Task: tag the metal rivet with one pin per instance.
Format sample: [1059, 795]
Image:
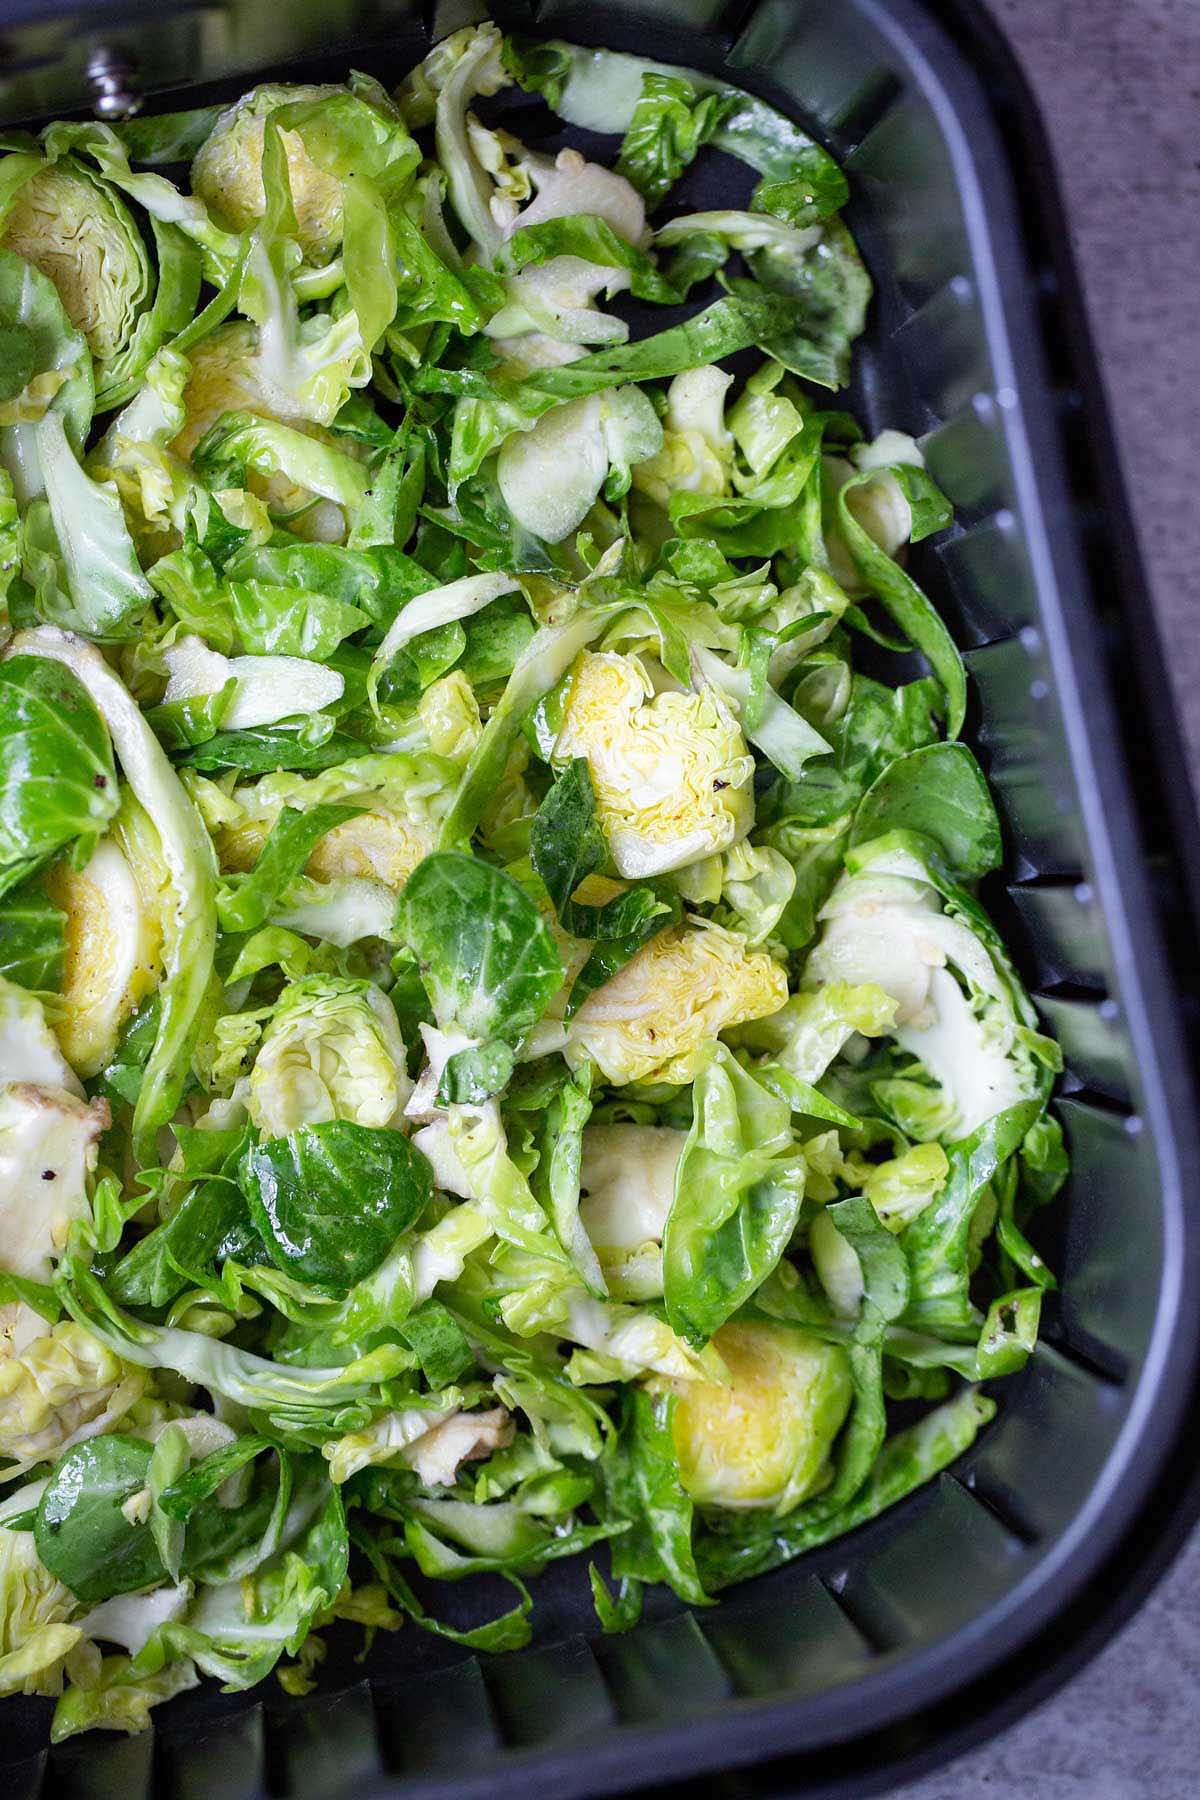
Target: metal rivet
[1133, 1125]
[1083, 893]
[112, 77]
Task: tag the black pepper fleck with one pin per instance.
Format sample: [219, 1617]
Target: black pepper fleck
[99, 781]
[48, 1175]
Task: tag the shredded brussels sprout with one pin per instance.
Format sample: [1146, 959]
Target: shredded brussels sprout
[500, 1055]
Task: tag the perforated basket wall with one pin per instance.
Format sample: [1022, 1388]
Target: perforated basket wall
[1011, 1558]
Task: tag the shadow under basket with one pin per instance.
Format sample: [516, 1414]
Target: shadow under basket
[953, 1613]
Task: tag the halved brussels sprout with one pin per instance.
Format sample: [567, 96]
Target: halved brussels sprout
[697, 449]
[650, 1022]
[70, 223]
[48, 1140]
[672, 775]
[332, 1050]
[113, 950]
[77, 231]
[62, 1387]
[227, 171]
[765, 1439]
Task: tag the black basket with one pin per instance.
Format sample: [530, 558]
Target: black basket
[898, 1645]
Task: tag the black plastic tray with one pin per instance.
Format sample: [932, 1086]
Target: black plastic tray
[898, 1646]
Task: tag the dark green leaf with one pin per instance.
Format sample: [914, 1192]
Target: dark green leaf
[912, 610]
[330, 1200]
[57, 778]
[941, 792]
[486, 955]
[738, 1189]
[264, 751]
[438, 1342]
[82, 1535]
[670, 123]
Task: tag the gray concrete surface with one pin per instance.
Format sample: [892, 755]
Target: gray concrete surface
[1119, 84]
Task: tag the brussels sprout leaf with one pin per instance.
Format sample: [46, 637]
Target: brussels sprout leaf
[330, 1200]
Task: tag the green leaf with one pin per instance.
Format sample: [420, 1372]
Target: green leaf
[473, 1076]
[266, 750]
[20, 1290]
[486, 955]
[85, 570]
[511, 1631]
[82, 1535]
[593, 240]
[32, 938]
[738, 1189]
[175, 1253]
[567, 844]
[642, 1488]
[912, 610]
[937, 1242]
[245, 902]
[939, 791]
[57, 777]
[438, 1342]
[330, 1200]
[670, 123]
[29, 300]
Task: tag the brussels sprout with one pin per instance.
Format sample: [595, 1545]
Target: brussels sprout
[73, 225]
[266, 688]
[838, 1267]
[434, 1440]
[29, 1051]
[113, 949]
[77, 231]
[227, 171]
[332, 1050]
[34, 1608]
[48, 1137]
[651, 1021]
[181, 851]
[555, 299]
[226, 377]
[401, 796]
[61, 1388]
[41, 338]
[765, 1439]
[569, 184]
[627, 1174]
[879, 506]
[672, 775]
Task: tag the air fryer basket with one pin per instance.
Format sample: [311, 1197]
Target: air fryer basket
[894, 1646]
